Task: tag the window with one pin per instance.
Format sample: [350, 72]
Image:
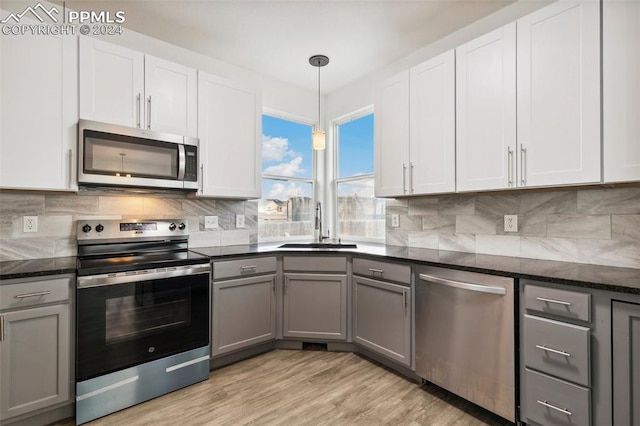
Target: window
[360, 215]
[286, 207]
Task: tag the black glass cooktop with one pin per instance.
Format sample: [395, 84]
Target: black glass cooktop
[97, 265]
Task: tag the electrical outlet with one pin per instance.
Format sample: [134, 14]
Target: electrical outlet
[395, 220]
[211, 222]
[30, 224]
[511, 223]
[239, 221]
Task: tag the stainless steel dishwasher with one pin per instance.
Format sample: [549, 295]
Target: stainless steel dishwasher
[465, 336]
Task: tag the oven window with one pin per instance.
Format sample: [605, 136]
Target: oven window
[149, 311]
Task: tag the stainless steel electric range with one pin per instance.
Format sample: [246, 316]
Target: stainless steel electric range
[142, 314]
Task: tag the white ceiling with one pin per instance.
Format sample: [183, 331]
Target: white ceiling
[276, 37]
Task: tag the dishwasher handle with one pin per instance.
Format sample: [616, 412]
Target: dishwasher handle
[465, 286]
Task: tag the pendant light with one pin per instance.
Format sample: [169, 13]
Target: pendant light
[319, 141]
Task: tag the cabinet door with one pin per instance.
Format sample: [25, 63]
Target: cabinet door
[38, 124]
[558, 63]
[391, 143]
[230, 131]
[111, 83]
[382, 318]
[34, 359]
[432, 126]
[244, 313]
[171, 97]
[315, 306]
[626, 363]
[621, 89]
[486, 111]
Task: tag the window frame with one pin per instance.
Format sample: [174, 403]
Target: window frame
[312, 180]
[360, 113]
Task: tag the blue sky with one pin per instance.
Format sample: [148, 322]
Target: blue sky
[286, 151]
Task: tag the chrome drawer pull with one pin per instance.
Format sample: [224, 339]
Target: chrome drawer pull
[248, 268]
[376, 271]
[562, 410]
[555, 351]
[24, 296]
[559, 302]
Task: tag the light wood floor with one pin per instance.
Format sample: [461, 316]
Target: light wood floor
[304, 388]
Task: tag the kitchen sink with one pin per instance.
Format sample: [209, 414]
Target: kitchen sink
[318, 245]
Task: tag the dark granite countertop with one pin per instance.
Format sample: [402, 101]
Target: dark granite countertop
[626, 280]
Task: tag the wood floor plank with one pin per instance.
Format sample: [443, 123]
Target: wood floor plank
[287, 387]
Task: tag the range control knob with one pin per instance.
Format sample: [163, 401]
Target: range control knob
[99, 228]
[182, 226]
[86, 228]
[172, 227]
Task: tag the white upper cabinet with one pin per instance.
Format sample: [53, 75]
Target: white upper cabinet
[171, 97]
[111, 83]
[621, 91]
[486, 111]
[122, 86]
[38, 124]
[558, 60]
[391, 147]
[230, 132]
[432, 146]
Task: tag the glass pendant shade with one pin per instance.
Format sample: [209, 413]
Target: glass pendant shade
[318, 139]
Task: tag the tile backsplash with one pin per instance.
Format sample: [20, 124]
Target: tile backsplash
[58, 213]
[598, 226]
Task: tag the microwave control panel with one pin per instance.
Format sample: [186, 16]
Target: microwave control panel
[191, 167]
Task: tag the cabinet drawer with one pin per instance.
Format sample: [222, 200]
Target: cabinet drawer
[557, 348]
[564, 303]
[555, 402]
[34, 292]
[240, 267]
[315, 263]
[382, 270]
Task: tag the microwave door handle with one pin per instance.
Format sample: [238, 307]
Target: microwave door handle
[182, 162]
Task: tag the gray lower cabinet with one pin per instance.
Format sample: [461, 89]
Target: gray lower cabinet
[626, 363]
[315, 306]
[35, 346]
[244, 308]
[382, 318]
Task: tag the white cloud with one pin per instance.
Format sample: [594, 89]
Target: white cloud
[291, 168]
[276, 149]
[282, 192]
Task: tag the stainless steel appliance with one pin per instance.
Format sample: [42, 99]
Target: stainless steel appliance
[114, 155]
[465, 336]
[142, 314]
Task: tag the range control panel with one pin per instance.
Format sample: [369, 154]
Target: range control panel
[127, 229]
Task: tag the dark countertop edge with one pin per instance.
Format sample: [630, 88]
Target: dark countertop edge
[564, 273]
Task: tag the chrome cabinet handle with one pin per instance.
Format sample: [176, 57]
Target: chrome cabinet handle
[138, 110]
[149, 112]
[38, 294]
[523, 163]
[1, 328]
[404, 178]
[70, 168]
[462, 285]
[376, 271]
[404, 301]
[411, 177]
[248, 268]
[555, 351]
[510, 165]
[201, 179]
[562, 410]
[559, 302]
[273, 285]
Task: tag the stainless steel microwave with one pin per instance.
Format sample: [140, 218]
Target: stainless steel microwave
[112, 155]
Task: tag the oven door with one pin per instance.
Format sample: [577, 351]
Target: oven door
[136, 317]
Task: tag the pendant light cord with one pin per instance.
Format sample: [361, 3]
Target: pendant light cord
[318, 94]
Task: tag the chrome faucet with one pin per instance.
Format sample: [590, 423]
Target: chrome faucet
[318, 226]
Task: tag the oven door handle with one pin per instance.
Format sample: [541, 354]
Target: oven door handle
[142, 275]
[182, 162]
